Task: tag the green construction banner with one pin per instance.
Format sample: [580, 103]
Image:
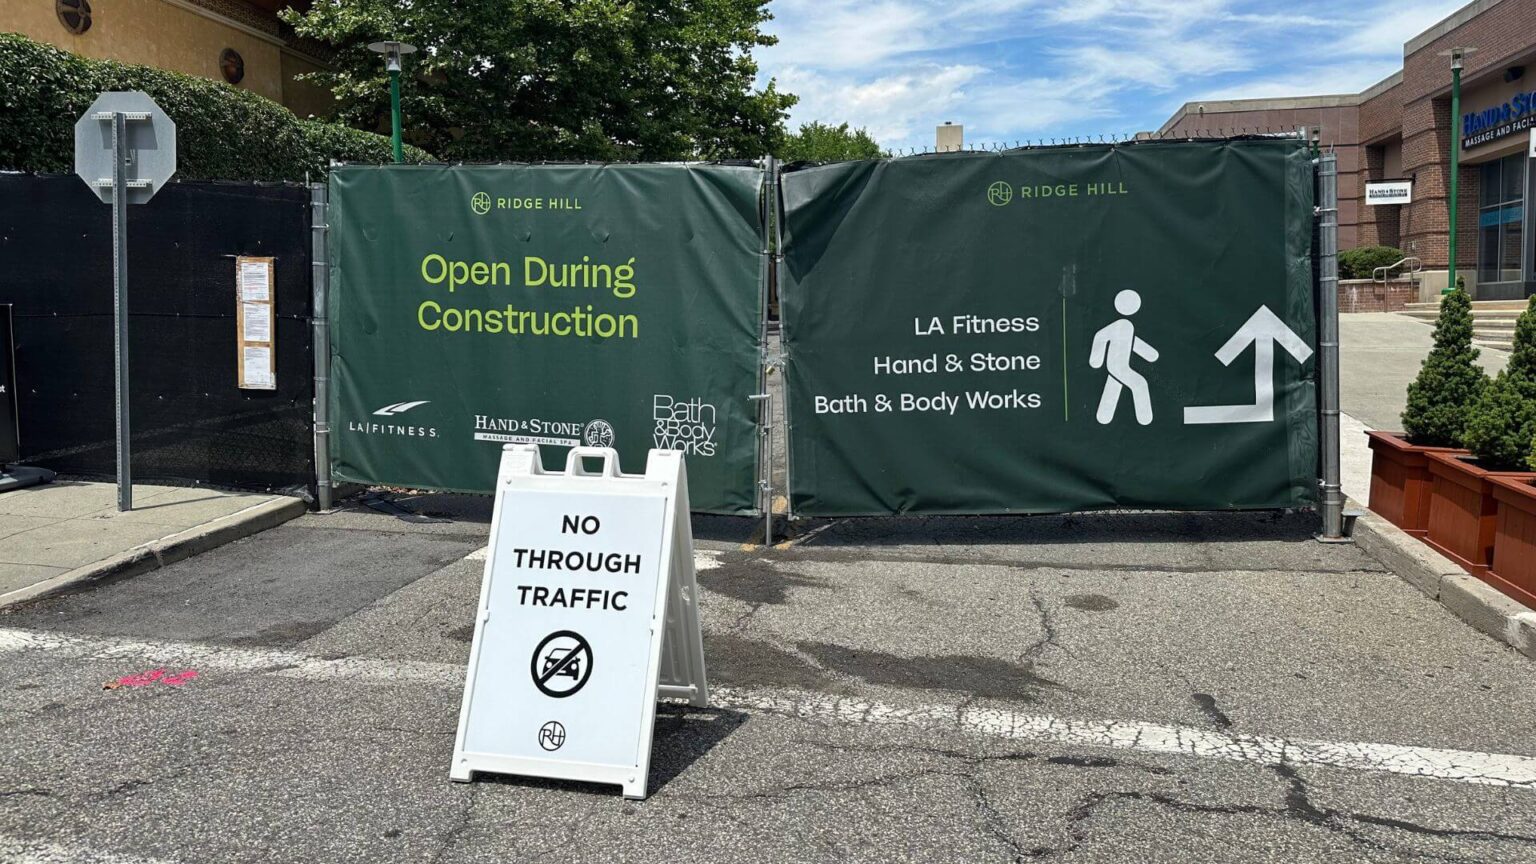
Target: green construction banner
[559, 305]
[1052, 330]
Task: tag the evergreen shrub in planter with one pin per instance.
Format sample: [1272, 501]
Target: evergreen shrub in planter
[1439, 403]
[1504, 433]
[1463, 509]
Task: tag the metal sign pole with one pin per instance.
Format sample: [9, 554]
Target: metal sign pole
[141, 158]
[120, 302]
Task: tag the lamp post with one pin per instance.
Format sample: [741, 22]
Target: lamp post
[1456, 55]
[392, 52]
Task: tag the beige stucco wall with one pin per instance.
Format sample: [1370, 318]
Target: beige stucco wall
[303, 98]
[154, 33]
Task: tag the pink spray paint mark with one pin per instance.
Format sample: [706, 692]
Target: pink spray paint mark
[144, 679]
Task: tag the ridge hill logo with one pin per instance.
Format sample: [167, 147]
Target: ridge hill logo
[397, 430]
[483, 202]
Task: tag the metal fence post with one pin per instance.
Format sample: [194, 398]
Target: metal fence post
[1328, 344]
[764, 398]
[320, 278]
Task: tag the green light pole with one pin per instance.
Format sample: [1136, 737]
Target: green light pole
[1456, 55]
[392, 52]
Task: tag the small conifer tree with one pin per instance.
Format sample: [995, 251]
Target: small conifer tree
[1503, 421]
[1450, 382]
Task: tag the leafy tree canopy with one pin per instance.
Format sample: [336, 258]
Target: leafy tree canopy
[558, 79]
[821, 142]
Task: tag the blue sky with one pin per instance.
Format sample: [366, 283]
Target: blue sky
[1031, 69]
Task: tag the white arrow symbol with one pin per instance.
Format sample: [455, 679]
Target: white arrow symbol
[1263, 330]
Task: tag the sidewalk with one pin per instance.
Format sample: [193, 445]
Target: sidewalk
[66, 532]
[1379, 354]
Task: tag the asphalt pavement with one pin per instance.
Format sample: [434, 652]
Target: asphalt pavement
[1115, 687]
[1119, 687]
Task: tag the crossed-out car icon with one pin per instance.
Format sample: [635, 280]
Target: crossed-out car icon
[553, 658]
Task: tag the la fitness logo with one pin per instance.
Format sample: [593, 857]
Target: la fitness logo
[480, 203]
[999, 194]
[388, 427]
[687, 425]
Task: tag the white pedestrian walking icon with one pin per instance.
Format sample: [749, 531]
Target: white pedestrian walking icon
[1112, 349]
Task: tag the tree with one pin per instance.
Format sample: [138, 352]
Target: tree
[528, 80]
[820, 142]
[1449, 383]
[1503, 423]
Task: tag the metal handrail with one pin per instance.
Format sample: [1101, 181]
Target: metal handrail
[1414, 267]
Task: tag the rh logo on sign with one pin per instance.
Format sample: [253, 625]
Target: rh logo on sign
[552, 735]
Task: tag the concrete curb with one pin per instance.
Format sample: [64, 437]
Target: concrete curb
[1467, 597]
[168, 549]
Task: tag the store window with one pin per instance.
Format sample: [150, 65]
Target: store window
[1500, 213]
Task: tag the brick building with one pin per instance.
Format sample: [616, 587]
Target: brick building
[1400, 129]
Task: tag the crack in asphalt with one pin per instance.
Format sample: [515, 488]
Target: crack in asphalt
[30, 790]
[1298, 807]
[457, 830]
[1049, 635]
[993, 821]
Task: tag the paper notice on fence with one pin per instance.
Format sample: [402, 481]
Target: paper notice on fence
[256, 368]
[255, 281]
[256, 322]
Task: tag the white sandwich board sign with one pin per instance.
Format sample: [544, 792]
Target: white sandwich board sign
[588, 614]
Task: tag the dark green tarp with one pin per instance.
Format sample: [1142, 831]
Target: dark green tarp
[954, 344]
[613, 305]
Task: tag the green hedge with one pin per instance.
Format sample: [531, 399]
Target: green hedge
[1361, 263]
[222, 132]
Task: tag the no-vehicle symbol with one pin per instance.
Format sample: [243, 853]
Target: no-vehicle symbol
[561, 664]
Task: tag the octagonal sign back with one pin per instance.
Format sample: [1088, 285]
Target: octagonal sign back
[151, 142]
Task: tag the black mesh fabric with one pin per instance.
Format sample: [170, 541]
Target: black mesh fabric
[190, 422]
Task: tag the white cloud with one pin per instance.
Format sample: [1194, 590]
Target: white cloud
[1014, 69]
[889, 106]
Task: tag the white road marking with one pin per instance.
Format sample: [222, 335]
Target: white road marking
[479, 554]
[1461, 766]
[18, 851]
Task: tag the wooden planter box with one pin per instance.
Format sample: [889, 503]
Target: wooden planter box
[1400, 480]
[1462, 510]
[1514, 544]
